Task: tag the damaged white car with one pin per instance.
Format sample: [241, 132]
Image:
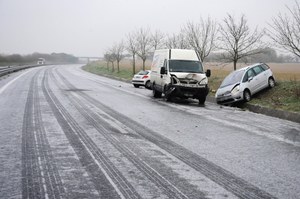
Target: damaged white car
[242, 84]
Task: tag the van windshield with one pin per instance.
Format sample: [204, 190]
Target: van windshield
[185, 66]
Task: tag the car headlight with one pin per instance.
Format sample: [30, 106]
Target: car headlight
[235, 90]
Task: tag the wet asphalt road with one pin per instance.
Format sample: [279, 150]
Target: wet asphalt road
[65, 133]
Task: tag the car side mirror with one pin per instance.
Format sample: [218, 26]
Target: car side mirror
[163, 70]
[208, 73]
[250, 79]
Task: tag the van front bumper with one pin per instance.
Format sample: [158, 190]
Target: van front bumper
[190, 91]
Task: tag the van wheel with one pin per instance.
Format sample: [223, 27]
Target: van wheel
[168, 96]
[247, 95]
[271, 82]
[156, 93]
[202, 100]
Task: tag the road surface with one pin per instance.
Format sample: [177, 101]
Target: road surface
[66, 133]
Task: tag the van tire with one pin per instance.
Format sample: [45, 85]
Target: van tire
[202, 100]
[156, 94]
[168, 97]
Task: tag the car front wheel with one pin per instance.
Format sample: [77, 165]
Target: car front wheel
[247, 96]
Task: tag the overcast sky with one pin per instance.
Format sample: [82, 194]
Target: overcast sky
[89, 27]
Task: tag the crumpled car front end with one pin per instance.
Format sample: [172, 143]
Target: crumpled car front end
[229, 94]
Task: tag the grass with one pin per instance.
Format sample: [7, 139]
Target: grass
[100, 68]
[216, 78]
[284, 96]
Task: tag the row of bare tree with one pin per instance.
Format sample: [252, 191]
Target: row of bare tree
[232, 38]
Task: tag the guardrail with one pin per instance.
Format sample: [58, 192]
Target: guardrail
[10, 69]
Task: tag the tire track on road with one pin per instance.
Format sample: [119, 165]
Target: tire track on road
[40, 177]
[30, 170]
[217, 174]
[107, 179]
[169, 188]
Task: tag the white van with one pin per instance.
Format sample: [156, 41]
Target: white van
[179, 73]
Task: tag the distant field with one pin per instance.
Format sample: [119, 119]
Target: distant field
[282, 71]
[279, 67]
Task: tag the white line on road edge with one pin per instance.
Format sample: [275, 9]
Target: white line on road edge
[12, 81]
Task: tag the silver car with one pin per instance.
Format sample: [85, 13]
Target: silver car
[142, 78]
[241, 84]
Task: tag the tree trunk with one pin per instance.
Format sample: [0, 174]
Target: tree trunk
[144, 60]
[234, 64]
[113, 67]
[118, 64]
[133, 64]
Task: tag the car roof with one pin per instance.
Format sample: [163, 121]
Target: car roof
[251, 66]
[149, 71]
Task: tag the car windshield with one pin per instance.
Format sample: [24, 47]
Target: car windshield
[232, 78]
[185, 66]
[143, 72]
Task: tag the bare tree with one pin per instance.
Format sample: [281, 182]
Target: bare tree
[157, 39]
[177, 41]
[285, 30]
[171, 41]
[131, 47]
[118, 51]
[112, 57]
[181, 41]
[202, 36]
[107, 59]
[144, 44]
[238, 41]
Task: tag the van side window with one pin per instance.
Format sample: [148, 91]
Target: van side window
[258, 69]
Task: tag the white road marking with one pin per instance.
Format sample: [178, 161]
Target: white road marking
[10, 82]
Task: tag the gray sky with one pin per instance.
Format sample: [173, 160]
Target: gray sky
[88, 27]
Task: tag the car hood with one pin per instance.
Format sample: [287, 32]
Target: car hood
[225, 90]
